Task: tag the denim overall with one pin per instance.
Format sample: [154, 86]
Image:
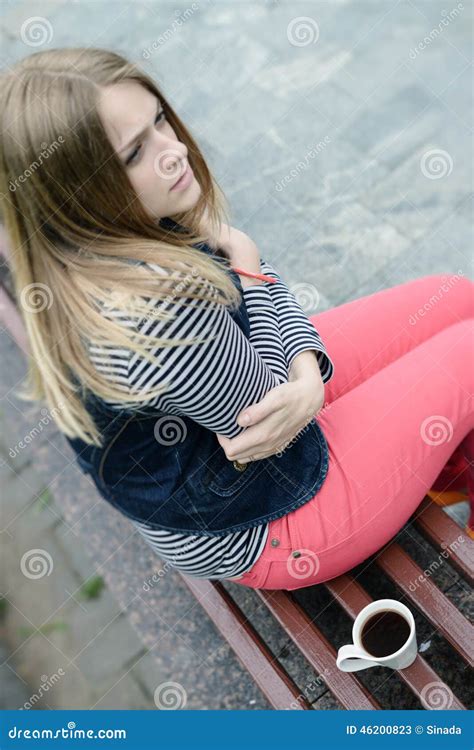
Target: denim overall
[171, 473]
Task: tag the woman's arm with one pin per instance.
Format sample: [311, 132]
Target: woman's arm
[264, 327]
[304, 364]
[210, 382]
[297, 331]
[278, 418]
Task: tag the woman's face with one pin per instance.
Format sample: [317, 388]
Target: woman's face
[149, 149]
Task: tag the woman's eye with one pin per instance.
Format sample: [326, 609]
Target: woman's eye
[132, 156]
[161, 115]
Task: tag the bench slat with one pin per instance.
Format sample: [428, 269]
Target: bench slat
[444, 533]
[265, 669]
[429, 599]
[317, 650]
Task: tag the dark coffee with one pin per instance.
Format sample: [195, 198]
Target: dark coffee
[384, 633]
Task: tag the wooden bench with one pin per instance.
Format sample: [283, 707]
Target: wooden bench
[392, 563]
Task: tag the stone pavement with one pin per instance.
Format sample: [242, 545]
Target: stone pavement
[63, 629]
[340, 134]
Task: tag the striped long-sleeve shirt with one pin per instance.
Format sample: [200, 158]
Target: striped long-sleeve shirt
[249, 368]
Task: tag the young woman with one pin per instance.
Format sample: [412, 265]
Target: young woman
[180, 367]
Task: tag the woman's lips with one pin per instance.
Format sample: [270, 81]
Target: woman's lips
[185, 179]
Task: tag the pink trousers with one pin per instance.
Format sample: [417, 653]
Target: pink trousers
[398, 406]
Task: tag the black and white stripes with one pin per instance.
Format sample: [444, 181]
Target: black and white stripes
[212, 383]
[208, 557]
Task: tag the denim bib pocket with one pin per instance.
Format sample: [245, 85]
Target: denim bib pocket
[223, 477]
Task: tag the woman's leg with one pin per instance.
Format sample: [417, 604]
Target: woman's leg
[370, 332]
[388, 439]
[366, 334]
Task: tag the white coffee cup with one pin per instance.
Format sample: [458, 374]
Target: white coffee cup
[353, 657]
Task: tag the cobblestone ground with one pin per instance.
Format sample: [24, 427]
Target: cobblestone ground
[69, 643]
[340, 133]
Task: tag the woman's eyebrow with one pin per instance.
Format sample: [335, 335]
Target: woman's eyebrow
[142, 132]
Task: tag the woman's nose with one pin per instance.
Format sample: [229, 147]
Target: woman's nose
[170, 160]
[166, 142]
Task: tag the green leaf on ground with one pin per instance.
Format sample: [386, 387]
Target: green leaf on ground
[42, 501]
[92, 587]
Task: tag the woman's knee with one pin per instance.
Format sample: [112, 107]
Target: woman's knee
[456, 288]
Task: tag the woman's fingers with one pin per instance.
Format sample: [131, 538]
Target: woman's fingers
[252, 442]
[252, 445]
[259, 456]
[261, 451]
[270, 426]
[252, 454]
[270, 404]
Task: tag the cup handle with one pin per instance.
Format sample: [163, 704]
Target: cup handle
[352, 659]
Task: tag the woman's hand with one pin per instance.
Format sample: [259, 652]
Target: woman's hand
[280, 415]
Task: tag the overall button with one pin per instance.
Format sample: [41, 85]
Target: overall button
[239, 466]
[296, 554]
[275, 542]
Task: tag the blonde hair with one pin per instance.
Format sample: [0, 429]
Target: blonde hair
[75, 226]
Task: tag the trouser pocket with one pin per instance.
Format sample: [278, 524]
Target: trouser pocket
[293, 531]
[303, 561]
